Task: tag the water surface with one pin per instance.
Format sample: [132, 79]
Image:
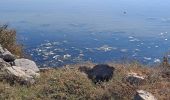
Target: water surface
[58, 32]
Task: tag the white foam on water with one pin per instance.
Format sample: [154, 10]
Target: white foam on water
[56, 57]
[81, 54]
[105, 48]
[135, 54]
[137, 49]
[157, 60]
[124, 50]
[134, 40]
[156, 46]
[130, 37]
[147, 58]
[142, 43]
[66, 56]
[65, 41]
[161, 33]
[148, 47]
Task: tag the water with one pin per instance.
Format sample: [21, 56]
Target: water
[58, 32]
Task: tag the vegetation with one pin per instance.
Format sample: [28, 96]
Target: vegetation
[8, 40]
[72, 84]
[69, 83]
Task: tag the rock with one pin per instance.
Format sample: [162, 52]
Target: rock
[26, 64]
[32, 73]
[1, 50]
[144, 95]
[45, 69]
[3, 64]
[15, 73]
[101, 73]
[8, 56]
[135, 79]
[24, 72]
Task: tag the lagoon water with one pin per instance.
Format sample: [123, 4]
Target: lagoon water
[59, 32]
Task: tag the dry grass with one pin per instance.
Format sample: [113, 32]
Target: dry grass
[8, 40]
[68, 83]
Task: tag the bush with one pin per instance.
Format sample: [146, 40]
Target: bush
[8, 40]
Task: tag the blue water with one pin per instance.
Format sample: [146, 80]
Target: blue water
[59, 32]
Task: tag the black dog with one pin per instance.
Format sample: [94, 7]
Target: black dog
[99, 73]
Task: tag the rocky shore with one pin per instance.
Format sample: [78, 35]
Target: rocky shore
[21, 79]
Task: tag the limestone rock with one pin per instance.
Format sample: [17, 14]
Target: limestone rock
[144, 95]
[4, 64]
[15, 73]
[1, 50]
[26, 64]
[135, 79]
[8, 56]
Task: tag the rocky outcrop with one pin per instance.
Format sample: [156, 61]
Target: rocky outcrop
[100, 73]
[144, 95]
[13, 70]
[135, 79]
[15, 73]
[26, 64]
[6, 55]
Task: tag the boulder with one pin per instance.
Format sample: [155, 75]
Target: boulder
[15, 73]
[3, 64]
[100, 73]
[8, 56]
[144, 95]
[135, 79]
[26, 64]
[18, 74]
[1, 50]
